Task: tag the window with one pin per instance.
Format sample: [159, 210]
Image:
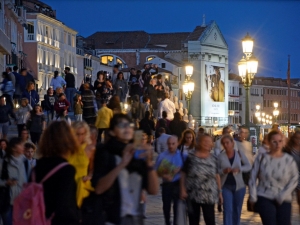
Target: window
[69, 39]
[163, 65]
[30, 29]
[240, 106]
[47, 32]
[107, 59]
[65, 37]
[119, 61]
[149, 58]
[240, 91]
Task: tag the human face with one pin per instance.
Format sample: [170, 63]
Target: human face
[145, 139]
[24, 135]
[123, 131]
[206, 144]
[188, 139]
[37, 109]
[51, 91]
[227, 144]
[23, 103]
[29, 153]
[62, 98]
[81, 135]
[133, 72]
[18, 150]
[24, 73]
[244, 133]
[2, 101]
[3, 145]
[276, 143]
[172, 144]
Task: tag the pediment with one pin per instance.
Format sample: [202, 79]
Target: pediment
[213, 37]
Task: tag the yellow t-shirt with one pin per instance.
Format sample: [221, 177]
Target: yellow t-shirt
[103, 118]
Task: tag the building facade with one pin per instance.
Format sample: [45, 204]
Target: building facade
[233, 99]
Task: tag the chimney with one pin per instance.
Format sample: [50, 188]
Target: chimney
[203, 21]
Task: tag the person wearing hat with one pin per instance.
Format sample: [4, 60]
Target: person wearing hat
[104, 116]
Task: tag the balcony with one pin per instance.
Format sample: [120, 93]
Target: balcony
[30, 37]
[5, 45]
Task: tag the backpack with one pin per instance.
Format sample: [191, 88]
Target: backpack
[29, 205]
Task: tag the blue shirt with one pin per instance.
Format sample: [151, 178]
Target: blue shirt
[57, 82]
[167, 163]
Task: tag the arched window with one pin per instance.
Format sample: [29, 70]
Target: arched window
[150, 57]
[111, 60]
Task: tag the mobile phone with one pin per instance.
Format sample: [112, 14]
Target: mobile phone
[137, 139]
[137, 154]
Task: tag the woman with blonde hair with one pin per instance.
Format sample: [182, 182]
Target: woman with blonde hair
[188, 141]
[82, 160]
[57, 143]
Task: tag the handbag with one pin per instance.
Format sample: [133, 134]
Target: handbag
[253, 207]
[5, 190]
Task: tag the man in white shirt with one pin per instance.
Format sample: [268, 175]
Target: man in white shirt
[244, 145]
[161, 142]
[168, 106]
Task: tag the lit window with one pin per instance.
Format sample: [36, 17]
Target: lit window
[119, 61]
[149, 59]
[106, 59]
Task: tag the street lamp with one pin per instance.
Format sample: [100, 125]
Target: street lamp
[188, 86]
[275, 111]
[247, 70]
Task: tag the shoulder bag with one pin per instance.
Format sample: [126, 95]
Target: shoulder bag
[4, 190]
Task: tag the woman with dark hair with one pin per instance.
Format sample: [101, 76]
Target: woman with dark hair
[13, 175]
[88, 100]
[36, 124]
[57, 81]
[177, 125]
[187, 142]
[99, 84]
[277, 176]
[147, 125]
[293, 148]
[58, 142]
[115, 104]
[108, 91]
[31, 94]
[120, 87]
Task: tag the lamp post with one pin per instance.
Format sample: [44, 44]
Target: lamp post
[188, 86]
[275, 111]
[247, 70]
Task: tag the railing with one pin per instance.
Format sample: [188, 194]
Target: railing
[30, 37]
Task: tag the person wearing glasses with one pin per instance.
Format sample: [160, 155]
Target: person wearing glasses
[120, 175]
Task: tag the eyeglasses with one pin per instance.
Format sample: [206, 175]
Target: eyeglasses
[125, 125]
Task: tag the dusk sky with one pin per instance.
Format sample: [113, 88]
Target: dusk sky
[273, 24]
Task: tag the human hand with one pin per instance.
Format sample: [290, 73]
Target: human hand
[183, 194]
[167, 177]
[227, 170]
[86, 178]
[220, 199]
[235, 170]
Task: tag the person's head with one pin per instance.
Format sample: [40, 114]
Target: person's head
[30, 86]
[100, 75]
[116, 69]
[24, 102]
[276, 141]
[120, 76]
[161, 130]
[164, 114]
[58, 140]
[86, 86]
[114, 103]
[93, 134]
[67, 70]
[139, 72]
[103, 102]
[172, 144]
[61, 96]
[177, 116]
[50, 91]
[153, 82]
[4, 75]
[3, 144]
[55, 73]
[146, 99]
[25, 135]
[226, 130]
[133, 71]
[15, 147]
[77, 97]
[147, 115]
[201, 131]
[188, 138]
[204, 143]
[2, 100]
[37, 109]
[8, 69]
[275, 127]
[243, 132]
[23, 72]
[159, 77]
[228, 143]
[294, 140]
[29, 150]
[82, 131]
[121, 128]
[59, 90]
[146, 66]
[166, 95]
[15, 68]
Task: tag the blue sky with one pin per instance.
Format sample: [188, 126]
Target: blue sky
[273, 24]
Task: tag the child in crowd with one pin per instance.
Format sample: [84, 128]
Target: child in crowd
[78, 105]
[64, 116]
[22, 114]
[29, 151]
[61, 105]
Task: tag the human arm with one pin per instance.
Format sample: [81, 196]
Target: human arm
[43, 122]
[246, 166]
[183, 192]
[253, 176]
[153, 186]
[218, 179]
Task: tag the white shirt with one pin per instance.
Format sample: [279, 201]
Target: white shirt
[161, 143]
[168, 106]
[246, 147]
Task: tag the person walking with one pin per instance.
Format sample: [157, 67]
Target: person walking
[147, 125]
[200, 182]
[31, 94]
[88, 100]
[22, 114]
[277, 176]
[57, 81]
[187, 142]
[120, 177]
[168, 106]
[231, 164]
[70, 87]
[8, 89]
[5, 112]
[152, 93]
[57, 144]
[177, 125]
[29, 151]
[13, 176]
[49, 99]
[104, 116]
[78, 107]
[36, 124]
[161, 142]
[168, 166]
[121, 87]
[100, 82]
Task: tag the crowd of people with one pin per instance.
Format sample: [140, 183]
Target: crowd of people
[98, 166]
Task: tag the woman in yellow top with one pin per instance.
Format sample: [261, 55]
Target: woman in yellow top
[82, 161]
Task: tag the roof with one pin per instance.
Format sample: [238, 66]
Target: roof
[196, 34]
[137, 39]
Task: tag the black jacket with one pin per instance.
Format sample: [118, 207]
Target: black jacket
[152, 92]
[59, 191]
[177, 127]
[5, 111]
[49, 106]
[70, 80]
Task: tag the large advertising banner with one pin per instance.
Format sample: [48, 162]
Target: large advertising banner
[214, 93]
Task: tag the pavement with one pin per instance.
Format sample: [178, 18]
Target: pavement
[155, 215]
